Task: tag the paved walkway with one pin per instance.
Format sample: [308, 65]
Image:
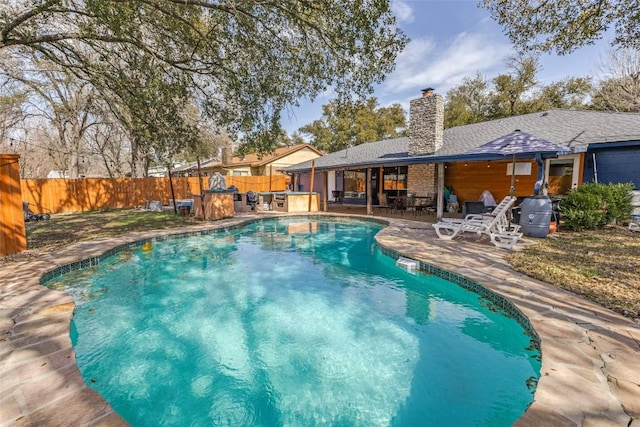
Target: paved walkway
[590, 373]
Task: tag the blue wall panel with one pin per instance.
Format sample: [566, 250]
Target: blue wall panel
[615, 165]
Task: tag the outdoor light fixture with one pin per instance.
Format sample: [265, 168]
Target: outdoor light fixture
[488, 164]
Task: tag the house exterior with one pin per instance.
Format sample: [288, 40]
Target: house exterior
[254, 165]
[605, 147]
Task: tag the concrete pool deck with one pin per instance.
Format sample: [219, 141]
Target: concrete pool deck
[590, 374]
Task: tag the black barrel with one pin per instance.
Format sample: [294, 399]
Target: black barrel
[535, 216]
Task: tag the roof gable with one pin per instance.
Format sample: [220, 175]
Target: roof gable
[363, 155]
[255, 160]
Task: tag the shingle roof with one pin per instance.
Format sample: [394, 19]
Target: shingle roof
[192, 166]
[251, 159]
[574, 128]
[362, 154]
[258, 160]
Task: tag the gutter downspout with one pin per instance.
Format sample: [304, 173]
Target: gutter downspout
[538, 185]
[440, 192]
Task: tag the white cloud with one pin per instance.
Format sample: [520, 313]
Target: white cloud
[423, 63]
[402, 11]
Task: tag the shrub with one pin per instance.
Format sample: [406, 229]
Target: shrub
[619, 206]
[596, 205]
[583, 209]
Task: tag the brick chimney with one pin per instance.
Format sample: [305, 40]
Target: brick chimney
[426, 123]
[226, 154]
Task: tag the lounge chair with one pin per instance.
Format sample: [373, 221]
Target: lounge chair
[495, 224]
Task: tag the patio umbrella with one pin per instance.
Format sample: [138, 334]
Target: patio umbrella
[521, 143]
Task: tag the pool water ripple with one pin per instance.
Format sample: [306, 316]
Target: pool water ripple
[292, 322]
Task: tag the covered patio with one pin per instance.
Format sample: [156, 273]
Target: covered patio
[516, 164]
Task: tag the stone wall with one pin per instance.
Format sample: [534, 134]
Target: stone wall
[422, 179]
[426, 124]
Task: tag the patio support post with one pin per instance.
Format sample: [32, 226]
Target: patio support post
[440, 192]
[369, 208]
[204, 215]
[313, 175]
[325, 191]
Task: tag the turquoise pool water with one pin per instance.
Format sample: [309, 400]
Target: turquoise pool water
[295, 322]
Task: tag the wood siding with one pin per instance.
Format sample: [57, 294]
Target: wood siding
[470, 181]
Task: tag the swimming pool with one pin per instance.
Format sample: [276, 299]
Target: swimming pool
[293, 322]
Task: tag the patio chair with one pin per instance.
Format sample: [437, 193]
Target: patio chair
[474, 207]
[427, 204]
[252, 200]
[411, 204]
[496, 225]
[383, 204]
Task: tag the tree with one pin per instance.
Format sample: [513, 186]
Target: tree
[467, 102]
[476, 100]
[286, 140]
[108, 146]
[565, 25]
[345, 124]
[35, 159]
[153, 103]
[65, 103]
[11, 113]
[619, 88]
[12, 100]
[572, 92]
[248, 59]
[511, 88]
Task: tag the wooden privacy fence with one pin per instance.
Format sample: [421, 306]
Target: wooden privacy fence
[85, 194]
[258, 183]
[12, 231]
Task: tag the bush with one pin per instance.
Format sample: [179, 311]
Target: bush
[596, 205]
[619, 202]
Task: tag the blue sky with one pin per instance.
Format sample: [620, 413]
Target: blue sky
[451, 40]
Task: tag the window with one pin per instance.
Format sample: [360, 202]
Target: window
[395, 178]
[355, 184]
